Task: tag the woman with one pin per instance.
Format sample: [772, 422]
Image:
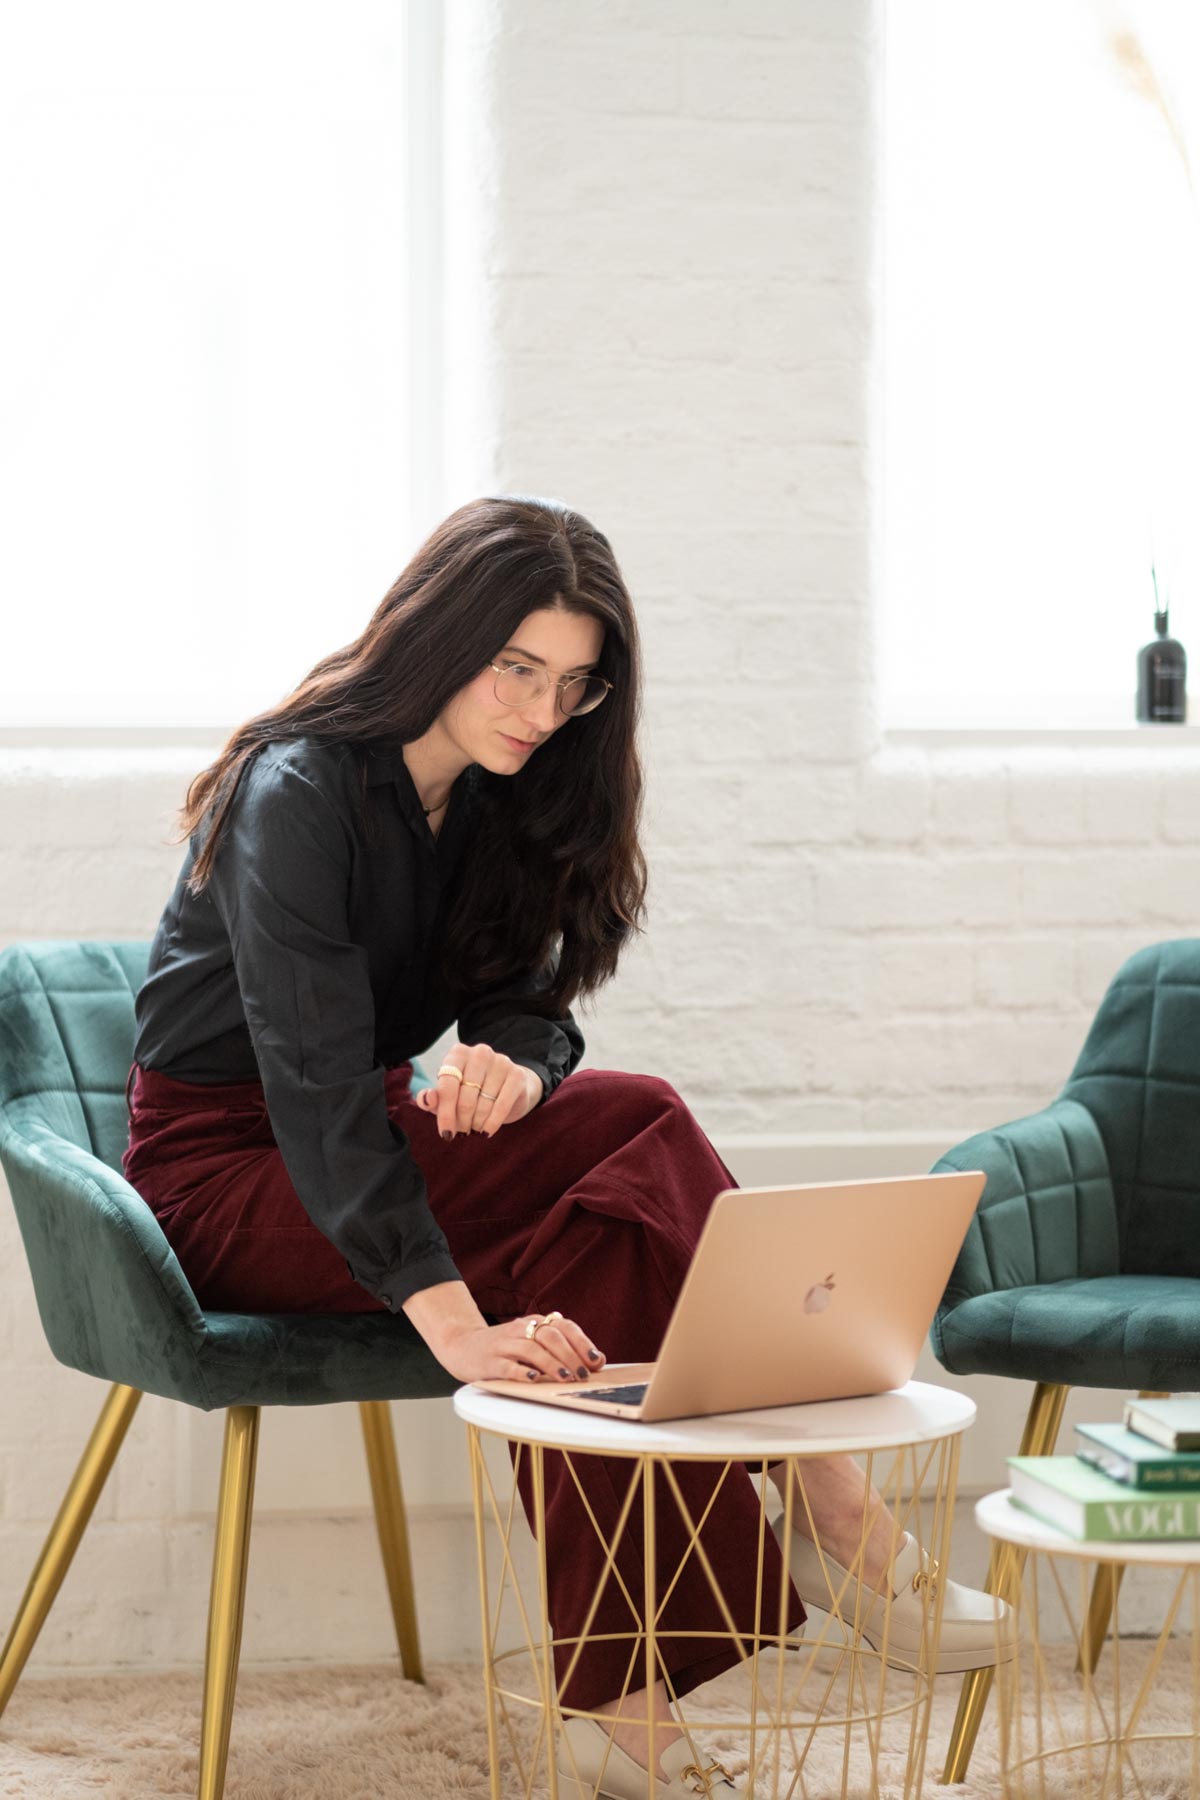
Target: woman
[440, 824]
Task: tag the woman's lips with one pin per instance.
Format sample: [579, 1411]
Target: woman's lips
[517, 743]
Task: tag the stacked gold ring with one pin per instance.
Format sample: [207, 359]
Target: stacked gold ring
[535, 1325]
[453, 1069]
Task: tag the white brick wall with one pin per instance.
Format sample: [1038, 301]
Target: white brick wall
[664, 224]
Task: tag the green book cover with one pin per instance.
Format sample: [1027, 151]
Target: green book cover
[1128, 1457]
[1081, 1501]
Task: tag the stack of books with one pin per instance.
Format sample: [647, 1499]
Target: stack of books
[1139, 1480]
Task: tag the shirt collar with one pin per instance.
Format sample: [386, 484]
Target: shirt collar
[385, 762]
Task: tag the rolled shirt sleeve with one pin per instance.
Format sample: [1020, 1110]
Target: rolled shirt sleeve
[551, 1046]
[280, 883]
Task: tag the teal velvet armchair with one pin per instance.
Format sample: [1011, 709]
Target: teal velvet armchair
[115, 1304]
[1082, 1265]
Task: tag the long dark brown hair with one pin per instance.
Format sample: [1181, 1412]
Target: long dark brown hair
[556, 867]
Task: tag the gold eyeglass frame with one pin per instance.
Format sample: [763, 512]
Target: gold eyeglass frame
[562, 682]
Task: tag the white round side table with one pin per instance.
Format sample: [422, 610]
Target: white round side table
[1084, 1731]
[818, 1712]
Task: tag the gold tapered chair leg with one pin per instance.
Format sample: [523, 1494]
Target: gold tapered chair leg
[392, 1525]
[1004, 1578]
[231, 1552]
[1105, 1588]
[108, 1434]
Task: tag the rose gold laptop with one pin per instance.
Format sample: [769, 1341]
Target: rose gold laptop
[818, 1292]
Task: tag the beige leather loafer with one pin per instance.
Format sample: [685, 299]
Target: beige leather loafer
[968, 1639]
[623, 1779]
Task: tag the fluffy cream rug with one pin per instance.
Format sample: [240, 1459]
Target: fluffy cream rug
[362, 1733]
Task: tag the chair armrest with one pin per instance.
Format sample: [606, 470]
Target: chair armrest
[1047, 1212]
[113, 1299]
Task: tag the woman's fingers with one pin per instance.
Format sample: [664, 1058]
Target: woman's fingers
[456, 1102]
[585, 1352]
[529, 1357]
[562, 1350]
[493, 1091]
[478, 1076]
[495, 1112]
[502, 1352]
[448, 1089]
[551, 1354]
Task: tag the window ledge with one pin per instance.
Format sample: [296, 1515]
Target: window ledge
[1066, 737]
[106, 737]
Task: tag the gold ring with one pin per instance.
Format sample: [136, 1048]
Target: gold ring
[482, 1095]
[451, 1069]
[535, 1325]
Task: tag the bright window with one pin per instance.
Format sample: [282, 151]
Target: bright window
[207, 454]
[1041, 366]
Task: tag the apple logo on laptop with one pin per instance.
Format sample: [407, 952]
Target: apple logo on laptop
[817, 1297]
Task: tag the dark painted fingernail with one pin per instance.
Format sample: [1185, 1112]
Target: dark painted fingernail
[447, 1135]
[565, 1374]
[594, 1354]
[532, 1374]
[581, 1372]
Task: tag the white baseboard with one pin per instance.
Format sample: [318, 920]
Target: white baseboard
[316, 1595]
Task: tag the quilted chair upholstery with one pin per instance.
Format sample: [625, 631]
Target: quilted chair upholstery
[115, 1303]
[1082, 1265]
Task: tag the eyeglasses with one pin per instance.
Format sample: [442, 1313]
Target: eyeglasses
[517, 684]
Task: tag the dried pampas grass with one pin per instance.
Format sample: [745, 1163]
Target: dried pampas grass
[1133, 62]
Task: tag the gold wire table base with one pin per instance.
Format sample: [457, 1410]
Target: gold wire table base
[821, 1712]
[1083, 1714]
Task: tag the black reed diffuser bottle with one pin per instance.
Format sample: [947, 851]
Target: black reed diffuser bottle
[1162, 674]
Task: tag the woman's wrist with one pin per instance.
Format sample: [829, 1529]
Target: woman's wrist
[443, 1311]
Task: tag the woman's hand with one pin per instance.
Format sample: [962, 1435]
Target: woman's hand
[493, 1091]
[559, 1352]
[471, 1350]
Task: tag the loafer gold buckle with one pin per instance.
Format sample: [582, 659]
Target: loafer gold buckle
[702, 1775]
[927, 1578]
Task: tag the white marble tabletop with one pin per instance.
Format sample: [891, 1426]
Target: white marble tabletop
[996, 1515]
[917, 1413]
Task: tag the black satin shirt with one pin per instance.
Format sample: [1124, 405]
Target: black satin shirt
[306, 962]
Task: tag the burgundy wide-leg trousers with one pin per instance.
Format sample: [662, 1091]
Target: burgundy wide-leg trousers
[591, 1204]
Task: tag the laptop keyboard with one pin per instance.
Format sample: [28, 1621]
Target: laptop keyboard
[632, 1391]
